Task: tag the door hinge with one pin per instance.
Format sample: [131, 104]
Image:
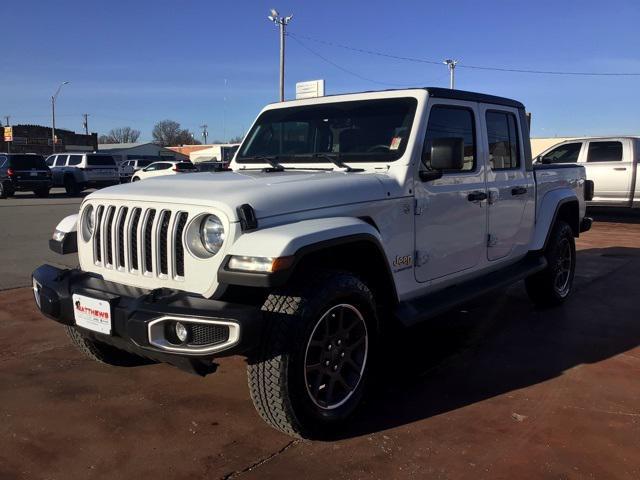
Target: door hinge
[492, 240]
[420, 205]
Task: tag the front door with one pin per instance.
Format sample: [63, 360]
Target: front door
[450, 220]
[511, 186]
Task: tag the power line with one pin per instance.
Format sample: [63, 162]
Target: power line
[340, 67]
[462, 65]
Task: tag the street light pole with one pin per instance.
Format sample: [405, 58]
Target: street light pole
[282, 23]
[53, 116]
[452, 67]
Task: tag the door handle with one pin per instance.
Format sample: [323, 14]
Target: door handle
[518, 191]
[477, 196]
[620, 169]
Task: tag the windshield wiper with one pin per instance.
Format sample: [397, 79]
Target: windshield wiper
[335, 159]
[270, 159]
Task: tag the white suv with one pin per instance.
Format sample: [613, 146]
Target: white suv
[79, 171]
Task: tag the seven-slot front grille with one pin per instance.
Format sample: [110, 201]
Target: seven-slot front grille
[140, 240]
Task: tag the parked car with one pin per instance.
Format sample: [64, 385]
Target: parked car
[611, 162]
[165, 167]
[78, 171]
[24, 172]
[365, 212]
[129, 167]
[212, 166]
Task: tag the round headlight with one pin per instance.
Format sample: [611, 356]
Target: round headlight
[88, 222]
[212, 233]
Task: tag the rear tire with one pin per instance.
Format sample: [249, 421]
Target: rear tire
[41, 192]
[553, 285]
[103, 353]
[3, 190]
[316, 353]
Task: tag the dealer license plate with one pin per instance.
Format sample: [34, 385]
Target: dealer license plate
[92, 314]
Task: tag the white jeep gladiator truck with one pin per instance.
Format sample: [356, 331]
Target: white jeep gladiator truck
[343, 217]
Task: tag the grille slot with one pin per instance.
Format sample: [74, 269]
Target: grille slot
[177, 241]
[139, 240]
[109, 241]
[164, 231]
[148, 237]
[97, 246]
[202, 334]
[120, 238]
[133, 245]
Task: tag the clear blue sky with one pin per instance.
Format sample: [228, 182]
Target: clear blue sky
[136, 62]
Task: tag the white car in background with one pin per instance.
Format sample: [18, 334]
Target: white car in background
[168, 167]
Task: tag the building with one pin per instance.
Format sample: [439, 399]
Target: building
[145, 151]
[222, 152]
[37, 139]
[188, 149]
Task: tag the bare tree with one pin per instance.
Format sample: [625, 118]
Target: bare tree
[120, 135]
[168, 133]
[237, 139]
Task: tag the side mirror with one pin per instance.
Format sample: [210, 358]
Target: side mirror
[447, 153]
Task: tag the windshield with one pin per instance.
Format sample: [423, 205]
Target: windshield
[361, 131]
[94, 160]
[27, 161]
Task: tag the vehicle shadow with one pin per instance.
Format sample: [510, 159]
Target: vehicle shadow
[501, 343]
[614, 215]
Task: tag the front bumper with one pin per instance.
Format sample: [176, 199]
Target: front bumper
[139, 318]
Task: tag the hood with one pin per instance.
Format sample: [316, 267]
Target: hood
[269, 193]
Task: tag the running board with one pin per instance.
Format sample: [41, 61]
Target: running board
[423, 308]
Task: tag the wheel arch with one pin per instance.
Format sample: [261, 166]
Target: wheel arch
[340, 243]
[556, 205]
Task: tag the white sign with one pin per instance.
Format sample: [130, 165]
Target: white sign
[92, 314]
[310, 89]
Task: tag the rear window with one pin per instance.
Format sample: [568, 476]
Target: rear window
[27, 161]
[604, 152]
[101, 160]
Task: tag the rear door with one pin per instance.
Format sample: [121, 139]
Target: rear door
[609, 163]
[57, 172]
[510, 185]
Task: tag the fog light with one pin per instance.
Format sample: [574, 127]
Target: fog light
[181, 332]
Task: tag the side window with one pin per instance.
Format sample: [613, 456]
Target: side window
[50, 160]
[75, 159]
[451, 122]
[61, 160]
[152, 167]
[504, 144]
[567, 153]
[163, 166]
[604, 152]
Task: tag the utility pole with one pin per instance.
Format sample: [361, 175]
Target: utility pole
[85, 123]
[282, 22]
[451, 64]
[6, 122]
[205, 134]
[53, 116]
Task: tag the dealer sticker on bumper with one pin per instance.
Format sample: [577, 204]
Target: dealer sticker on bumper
[92, 314]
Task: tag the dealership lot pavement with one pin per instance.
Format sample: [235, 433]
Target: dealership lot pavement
[26, 224]
[495, 390]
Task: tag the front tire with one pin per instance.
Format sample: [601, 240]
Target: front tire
[72, 187]
[103, 353]
[316, 354]
[553, 285]
[135, 179]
